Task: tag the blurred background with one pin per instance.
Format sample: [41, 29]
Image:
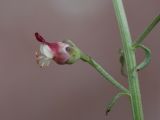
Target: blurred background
[72, 92]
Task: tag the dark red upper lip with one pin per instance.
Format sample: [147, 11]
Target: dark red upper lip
[40, 38]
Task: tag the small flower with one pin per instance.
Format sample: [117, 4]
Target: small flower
[61, 52]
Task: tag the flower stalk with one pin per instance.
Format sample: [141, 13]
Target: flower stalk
[103, 72]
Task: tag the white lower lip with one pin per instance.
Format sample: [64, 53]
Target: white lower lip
[45, 50]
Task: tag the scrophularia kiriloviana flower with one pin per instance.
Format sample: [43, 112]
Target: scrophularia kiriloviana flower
[64, 52]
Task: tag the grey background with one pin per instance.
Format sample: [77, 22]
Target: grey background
[73, 92]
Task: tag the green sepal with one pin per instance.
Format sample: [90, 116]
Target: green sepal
[74, 52]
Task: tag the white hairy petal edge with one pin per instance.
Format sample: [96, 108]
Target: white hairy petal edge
[46, 51]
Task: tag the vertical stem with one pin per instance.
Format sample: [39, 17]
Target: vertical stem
[130, 59]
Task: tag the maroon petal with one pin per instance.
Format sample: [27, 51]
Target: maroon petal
[40, 38]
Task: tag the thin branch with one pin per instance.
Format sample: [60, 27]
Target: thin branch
[103, 72]
[148, 29]
[113, 101]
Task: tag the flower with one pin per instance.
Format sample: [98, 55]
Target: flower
[61, 52]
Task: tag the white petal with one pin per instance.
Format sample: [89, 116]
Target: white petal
[46, 51]
[43, 61]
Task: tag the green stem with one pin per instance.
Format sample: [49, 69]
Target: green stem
[113, 101]
[103, 72]
[147, 30]
[130, 60]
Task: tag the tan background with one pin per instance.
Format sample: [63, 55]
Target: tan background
[73, 92]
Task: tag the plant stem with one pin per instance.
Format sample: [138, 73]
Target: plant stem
[103, 72]
[114, 100]
[148, 29]
[129, 54]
